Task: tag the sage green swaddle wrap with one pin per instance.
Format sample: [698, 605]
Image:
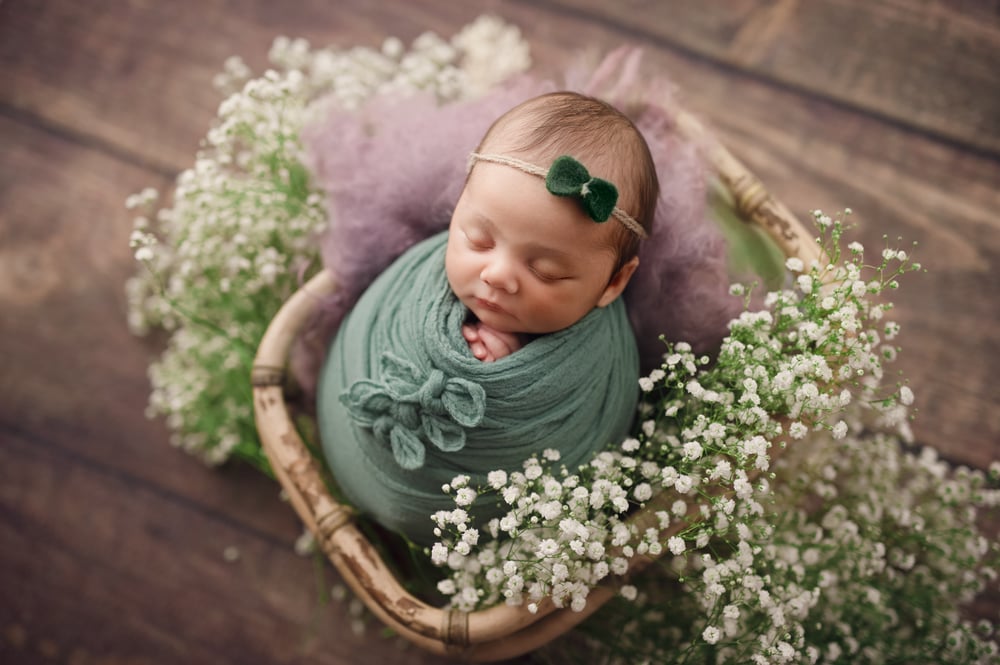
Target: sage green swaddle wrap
[404, 406]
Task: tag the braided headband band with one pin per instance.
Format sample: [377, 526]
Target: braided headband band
[568, 177]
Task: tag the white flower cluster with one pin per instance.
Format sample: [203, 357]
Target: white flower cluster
[862, 541]
[219, 263]
[551, 513]
[477, 58]
[701, 465]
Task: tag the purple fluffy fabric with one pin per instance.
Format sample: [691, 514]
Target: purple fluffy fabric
[394, 171]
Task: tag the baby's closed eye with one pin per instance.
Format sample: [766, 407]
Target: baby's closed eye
[548, 273]
[477, 239]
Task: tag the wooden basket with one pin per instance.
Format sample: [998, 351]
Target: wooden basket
[502, 631]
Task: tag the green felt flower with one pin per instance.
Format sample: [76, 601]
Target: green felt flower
[408, 409]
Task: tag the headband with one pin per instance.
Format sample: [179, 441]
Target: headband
[568, 177]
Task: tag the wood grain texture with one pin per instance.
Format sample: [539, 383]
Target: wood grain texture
[921, 64]
[135, 77]
[111, 541]
[145, 580]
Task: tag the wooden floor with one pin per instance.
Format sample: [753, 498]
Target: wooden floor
[112, 542]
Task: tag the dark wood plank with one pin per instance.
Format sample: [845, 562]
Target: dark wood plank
[929, 65]
[108, 568]
[71, 369]
[136, 77]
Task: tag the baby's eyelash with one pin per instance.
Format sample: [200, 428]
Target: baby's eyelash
[546, 278]
[478, 244]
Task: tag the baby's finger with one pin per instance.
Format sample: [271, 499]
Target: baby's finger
[478, 349]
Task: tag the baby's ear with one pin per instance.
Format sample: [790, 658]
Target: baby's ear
[618, 282]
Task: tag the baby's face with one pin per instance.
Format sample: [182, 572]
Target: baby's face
[523, 260]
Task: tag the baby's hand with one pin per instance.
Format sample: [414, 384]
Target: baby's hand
[488, 344]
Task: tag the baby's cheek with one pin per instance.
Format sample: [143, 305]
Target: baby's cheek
[449, 263]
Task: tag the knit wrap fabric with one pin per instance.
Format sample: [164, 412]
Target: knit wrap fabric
[404, 407]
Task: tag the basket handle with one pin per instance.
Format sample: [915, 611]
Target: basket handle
[748, 195]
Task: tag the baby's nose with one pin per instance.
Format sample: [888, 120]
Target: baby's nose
[500, 275]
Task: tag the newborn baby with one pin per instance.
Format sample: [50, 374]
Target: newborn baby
[505, 336]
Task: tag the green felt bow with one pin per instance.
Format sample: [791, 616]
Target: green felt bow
[568, 177]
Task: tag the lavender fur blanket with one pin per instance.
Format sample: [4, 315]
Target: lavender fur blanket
[394, 171]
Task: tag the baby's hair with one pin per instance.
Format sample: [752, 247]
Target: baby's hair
[594, 132]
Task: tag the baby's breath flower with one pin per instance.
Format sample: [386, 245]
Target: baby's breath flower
[797, 430]
[692, 450]
[547, 548]
[511, 494]
[497, 479]
[144, 254]
[465, 496]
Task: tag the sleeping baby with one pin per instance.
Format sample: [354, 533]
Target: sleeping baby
[505, 335]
